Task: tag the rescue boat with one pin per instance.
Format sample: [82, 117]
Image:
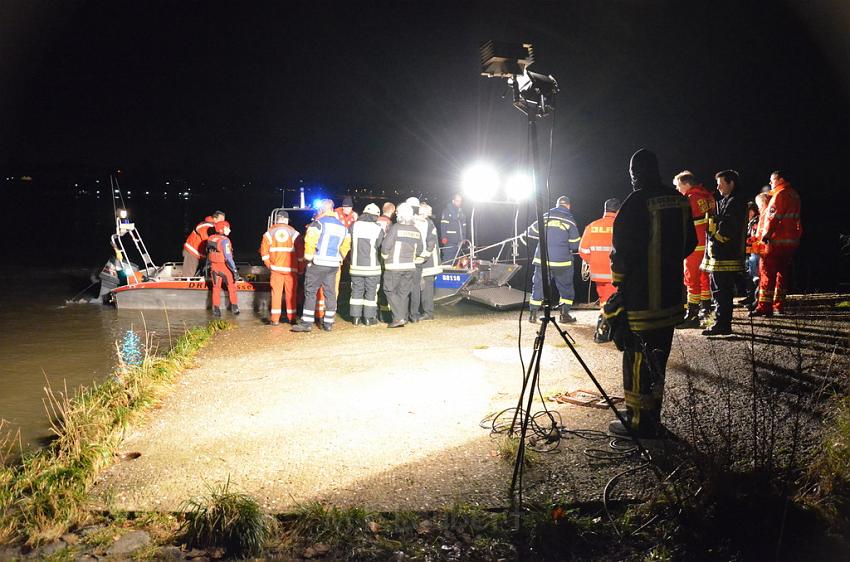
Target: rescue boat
[127, 285]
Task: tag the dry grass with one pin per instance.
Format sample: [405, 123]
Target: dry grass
[44, 494]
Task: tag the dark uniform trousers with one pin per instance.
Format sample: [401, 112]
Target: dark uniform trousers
[416, 292]
[364, 296]
[562, 280]
[722, 292]
[324, 277]
[397, 287]
[428, 295]
[644, 368]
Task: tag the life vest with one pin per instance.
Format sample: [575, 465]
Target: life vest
[218, 248]
[783, 227]
[596, 245]
[282, 249]
[196, 241]
[346, 220]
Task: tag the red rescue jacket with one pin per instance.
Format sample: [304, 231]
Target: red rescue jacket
[782, 227]
[596, 246]
[196, 242]
[702, 204]
[282, 249]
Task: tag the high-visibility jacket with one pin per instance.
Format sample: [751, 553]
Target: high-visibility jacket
[727, 236]
[752, 230]
[453, 225]
[653, 233]
[282, 249]
[431, 263]
[366, 238]
[220, 251]
[428, 232]
[782, 227]
[758, 247]
[385, 222]
[595, 247]
[327, 241]
[401, 246]
[346, 220]
[196, 242]
[562, 237]
[703, 206]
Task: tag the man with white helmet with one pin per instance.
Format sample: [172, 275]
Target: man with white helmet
[366, 237]
[430, 263]
[400, 248]
[416, 289]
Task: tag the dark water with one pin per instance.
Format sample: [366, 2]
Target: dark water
[45, 341]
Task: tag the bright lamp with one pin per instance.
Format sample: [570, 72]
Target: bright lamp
[519, 186]
[480, 182]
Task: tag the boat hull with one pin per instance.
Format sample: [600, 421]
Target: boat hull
[188, 295]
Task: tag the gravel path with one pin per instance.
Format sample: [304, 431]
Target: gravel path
[389, 419]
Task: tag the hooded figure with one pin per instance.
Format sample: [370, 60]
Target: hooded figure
[653, 233]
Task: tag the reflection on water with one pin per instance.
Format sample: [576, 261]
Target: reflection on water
[45, 341]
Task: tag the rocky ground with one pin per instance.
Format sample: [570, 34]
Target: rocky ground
[391, 419]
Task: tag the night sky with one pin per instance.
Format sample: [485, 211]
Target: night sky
[389, 92]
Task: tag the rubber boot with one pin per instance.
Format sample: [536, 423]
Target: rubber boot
[566, 318]
[216, 312]
[705, 314]
[234, 308]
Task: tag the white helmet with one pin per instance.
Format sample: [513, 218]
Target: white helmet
[372, 209]
[424, 210]
[404, 212]
[412, 201]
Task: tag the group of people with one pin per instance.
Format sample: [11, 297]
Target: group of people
[392, 255]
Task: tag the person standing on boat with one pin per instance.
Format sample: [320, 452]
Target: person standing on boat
[282, 251]
[325, 246]
[195, 247]
[452, 228]
[222, 267]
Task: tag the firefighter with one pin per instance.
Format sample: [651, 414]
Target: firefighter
[452, 228]
[282, 251]
[563, 239]
[222, 267]
[696, 280]
[325, 246]
[366, 238]
[399, 249]
[595, 251]
[780, 237]
[653, 233]
[724, 251]
[431, 264]
[421, 224]
[195, 247]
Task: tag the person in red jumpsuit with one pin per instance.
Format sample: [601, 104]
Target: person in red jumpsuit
[781, 231]
[222, 267]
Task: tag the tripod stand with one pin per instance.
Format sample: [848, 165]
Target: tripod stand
[533, 107]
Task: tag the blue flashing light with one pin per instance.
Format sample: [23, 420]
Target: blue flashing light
[317, 203]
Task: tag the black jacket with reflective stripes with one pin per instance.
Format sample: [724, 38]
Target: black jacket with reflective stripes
[653, 233]
[401, 246]
[725, 249]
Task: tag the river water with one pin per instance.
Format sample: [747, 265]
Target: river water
[46, 341]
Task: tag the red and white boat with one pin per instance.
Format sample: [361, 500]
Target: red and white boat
[130, 286]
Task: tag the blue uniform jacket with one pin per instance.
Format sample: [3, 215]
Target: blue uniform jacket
[562, 235]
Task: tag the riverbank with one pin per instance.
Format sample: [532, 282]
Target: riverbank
[368, 442]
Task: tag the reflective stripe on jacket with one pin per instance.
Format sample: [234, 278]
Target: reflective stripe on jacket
[327, 241]
[431, 263]
[783, 227]
[220, 250]
[282, 249]
[401, 246]
[725, 249]
[366, 237]
[196, 242]
[653, 233]
[453, 224]
[562, 237]
[703, 206]
[596, 245]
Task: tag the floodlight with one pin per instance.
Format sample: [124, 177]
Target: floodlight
[519, 186]
[480, 182]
